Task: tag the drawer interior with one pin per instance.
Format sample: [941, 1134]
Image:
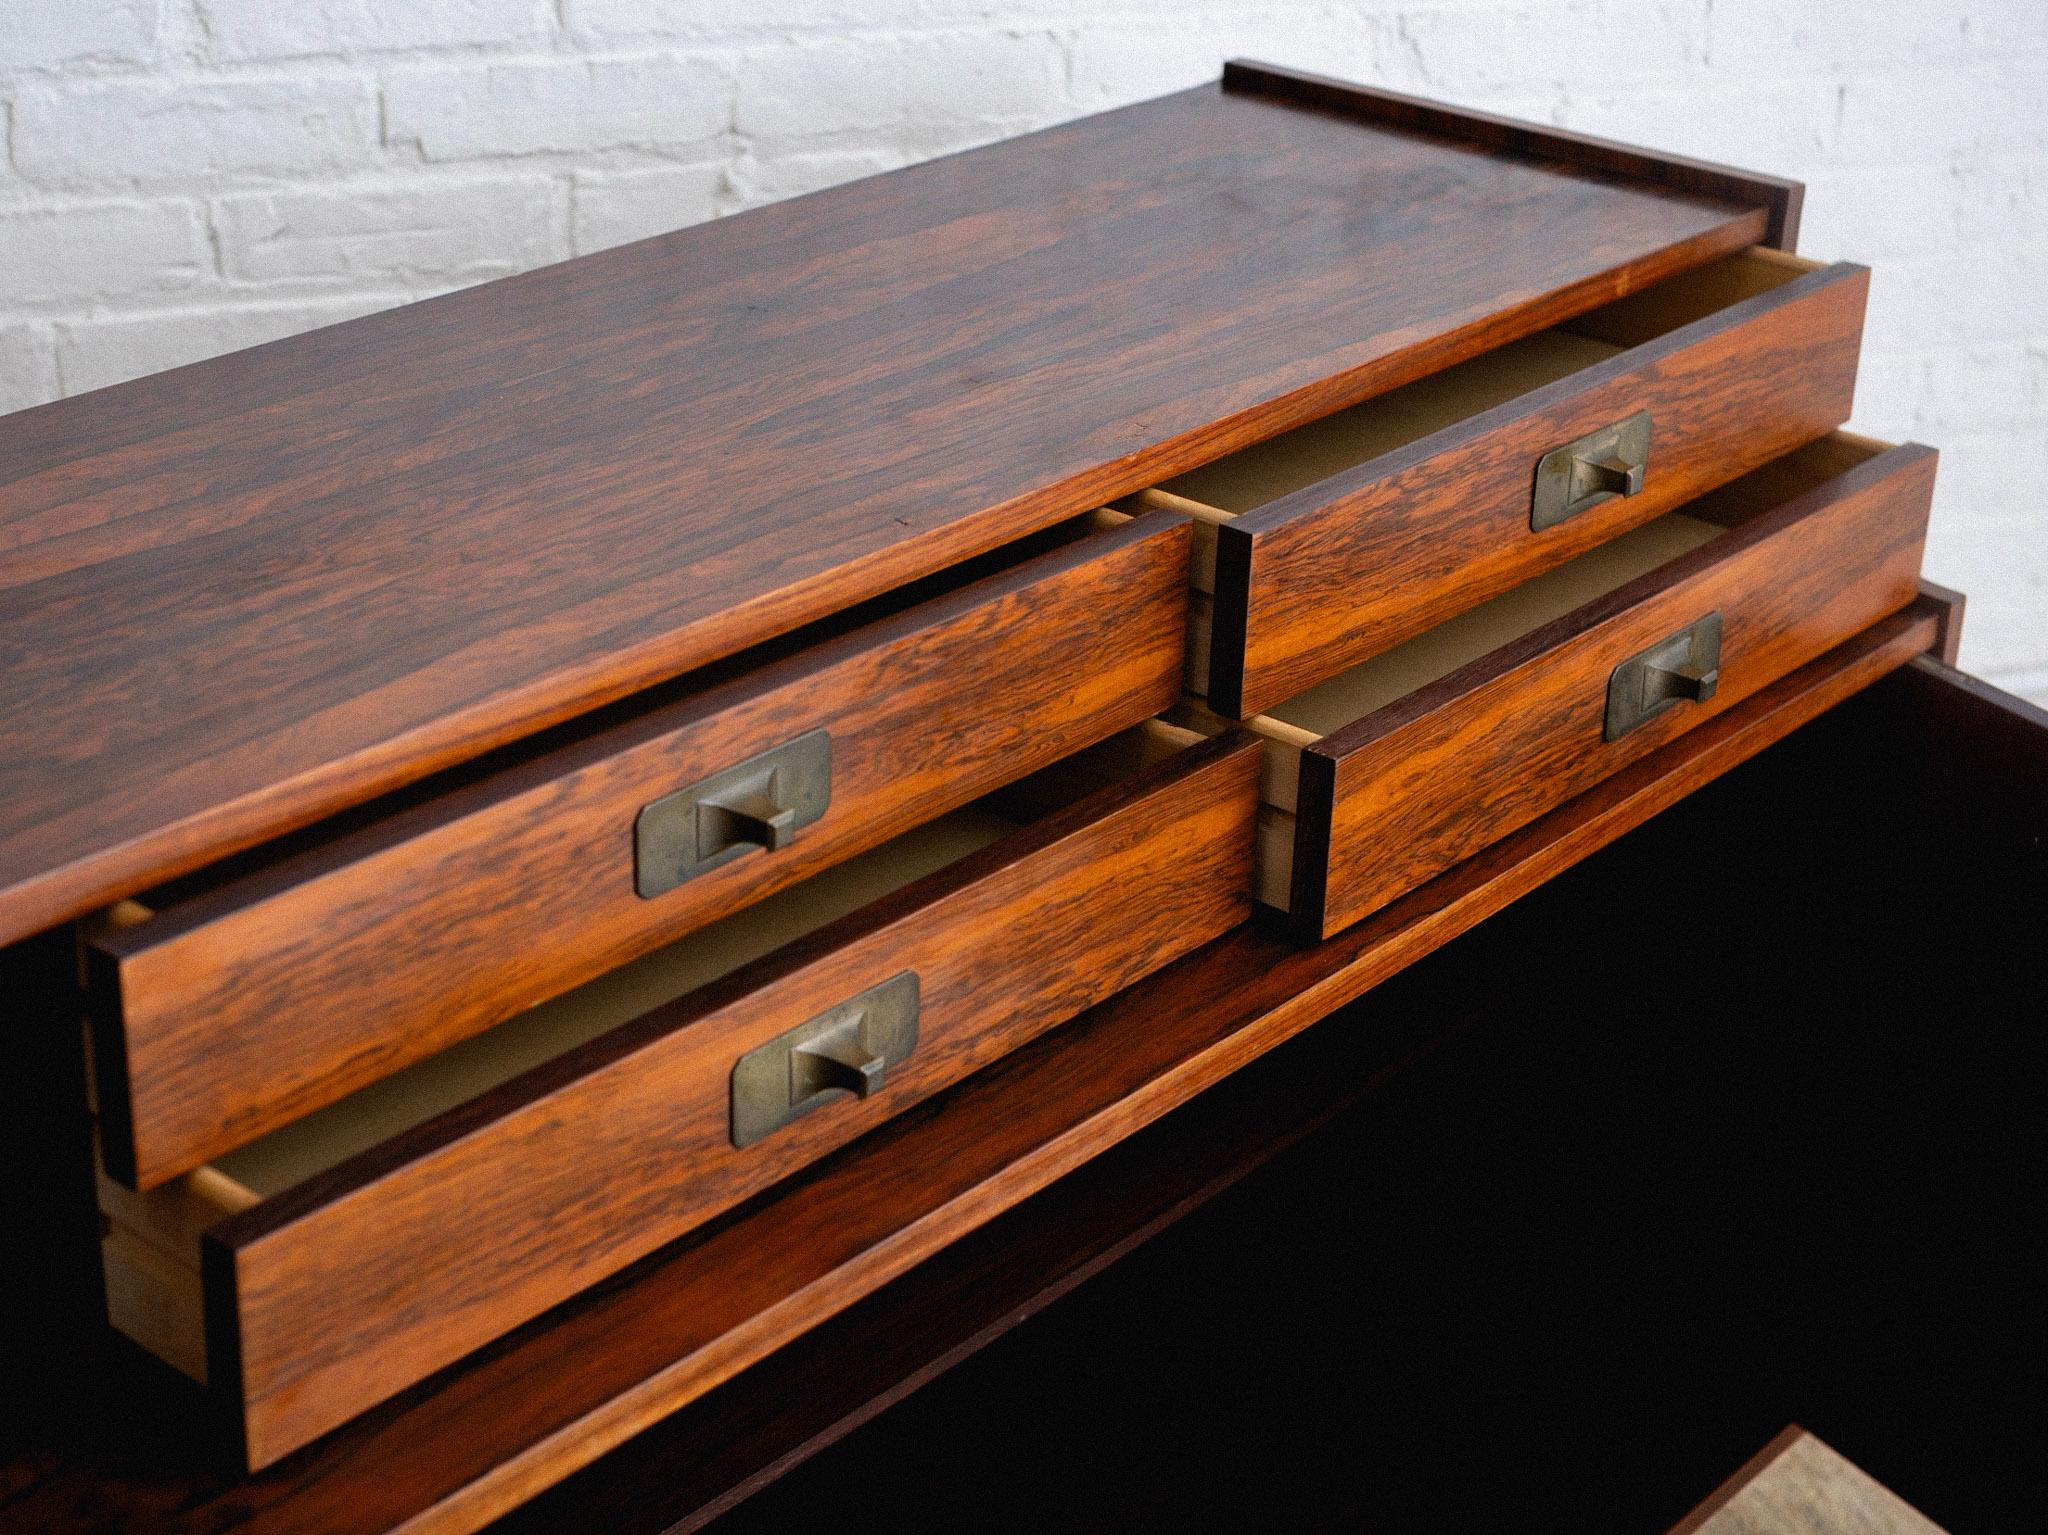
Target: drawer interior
[1380, 680]
[328, 1136]
[1264, 472]
[153, 1237]
[1373, 684]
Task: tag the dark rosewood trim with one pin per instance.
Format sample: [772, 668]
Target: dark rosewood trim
[1230, 609]
[1748, 1472]
[1953, 605]
[1780, 197]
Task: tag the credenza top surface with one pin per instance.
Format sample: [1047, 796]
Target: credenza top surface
[244, 594]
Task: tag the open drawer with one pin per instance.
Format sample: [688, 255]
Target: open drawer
[1342, 538]
[240, 999]
[1391, 771]
[335, 1261]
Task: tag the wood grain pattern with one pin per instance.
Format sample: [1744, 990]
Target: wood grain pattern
[1508, 135]
[246, 594]
[1402, 794]
[256, 1002]
[1796, 1485]
[335, 1294]
[453, 1454]
[1323, 578]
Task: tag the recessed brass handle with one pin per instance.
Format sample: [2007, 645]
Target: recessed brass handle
[759, 803]
[750, 817]
[845, 1049]
[1685, 668]
[1598, 467]
[837, 1059]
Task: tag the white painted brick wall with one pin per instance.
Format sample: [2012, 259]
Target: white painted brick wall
[181, 177]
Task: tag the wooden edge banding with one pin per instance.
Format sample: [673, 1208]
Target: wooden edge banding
[1952, 606]
[215, 1186]
[1230, 619]
[1166, 501]
[1316, 795]
[222, 1318]
[1779, 198]
[1744, 1474]
[1987, 695]
[106, 1046]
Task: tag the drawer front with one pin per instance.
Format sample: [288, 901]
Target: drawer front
[1403, 794]
[225, 1016]
[333, 1295]
[1323, 578]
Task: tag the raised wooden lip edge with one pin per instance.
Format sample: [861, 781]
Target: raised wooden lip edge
[1738, 1480]
[1291, 987]
[1237, 539]
[41, 899]
[1779, 197]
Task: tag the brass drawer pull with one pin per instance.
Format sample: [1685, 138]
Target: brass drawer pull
[845, 1049]
[760, 802]
[1685, 668]
[1598, 467]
